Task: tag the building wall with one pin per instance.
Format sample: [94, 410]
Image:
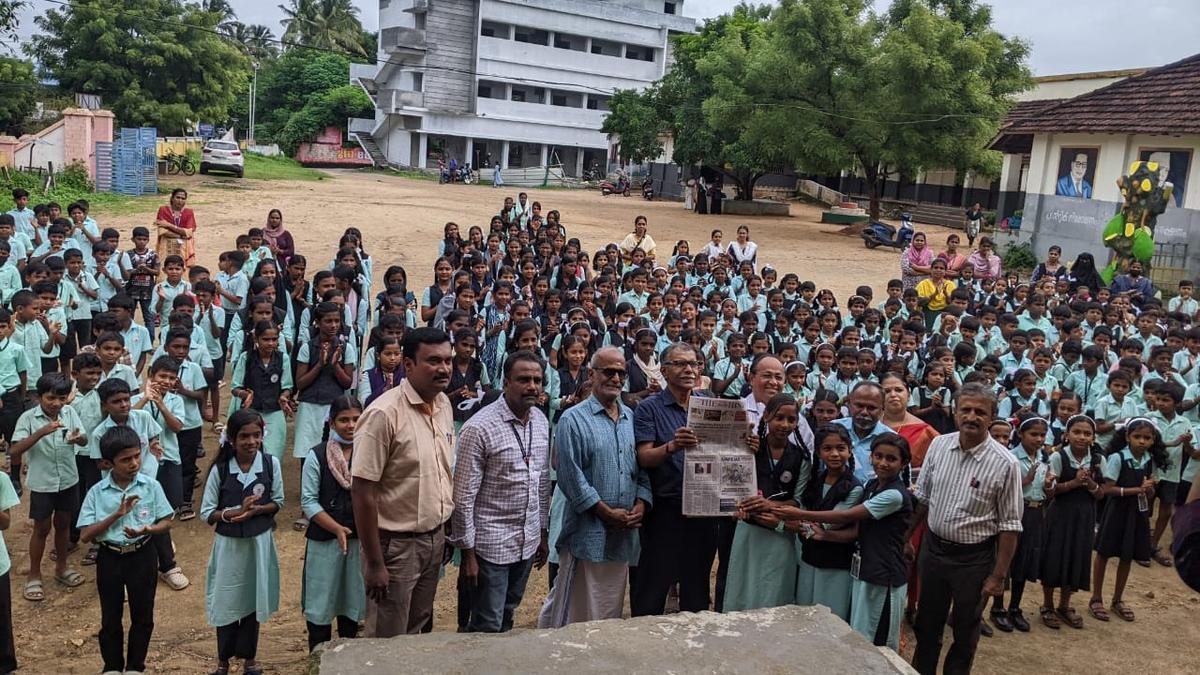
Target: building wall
[1054, 87]
[450, 30]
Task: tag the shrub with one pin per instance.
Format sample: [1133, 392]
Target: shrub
[1020, 257]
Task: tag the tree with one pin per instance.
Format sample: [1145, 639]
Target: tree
[155, 62]
[632, 116]
[19, 91]
[8, 19]
[923, 86]
[323, 24]
[304, 91]
[255, 40]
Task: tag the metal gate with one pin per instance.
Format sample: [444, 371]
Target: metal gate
[129, 164]
[104, 166]
[1168, 266]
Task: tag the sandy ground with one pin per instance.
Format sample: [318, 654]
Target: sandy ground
[402, 220]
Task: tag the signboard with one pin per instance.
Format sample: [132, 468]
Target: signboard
[88, 101]
[206, 130]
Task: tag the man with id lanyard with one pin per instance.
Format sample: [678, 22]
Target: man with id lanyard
[502, 495]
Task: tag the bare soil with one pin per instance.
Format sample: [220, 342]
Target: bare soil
[402, 221]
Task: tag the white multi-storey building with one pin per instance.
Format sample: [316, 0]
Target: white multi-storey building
[516, 82]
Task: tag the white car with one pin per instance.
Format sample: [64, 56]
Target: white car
[222, 156]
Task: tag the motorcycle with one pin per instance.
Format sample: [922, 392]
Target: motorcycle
[466, 174]
[648, 190]
[621, 187]
[881, 234]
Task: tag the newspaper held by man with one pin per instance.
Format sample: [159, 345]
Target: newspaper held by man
[719, 472]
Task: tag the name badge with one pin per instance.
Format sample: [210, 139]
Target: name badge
[258, 490]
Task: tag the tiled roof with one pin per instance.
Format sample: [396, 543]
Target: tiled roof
[1023, 110]
[1162, 101]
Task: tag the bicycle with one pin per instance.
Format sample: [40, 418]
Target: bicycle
[180, 163]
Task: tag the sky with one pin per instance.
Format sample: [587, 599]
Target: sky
[1066, 36]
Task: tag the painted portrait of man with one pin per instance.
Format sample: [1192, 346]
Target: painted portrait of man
[1077, 172]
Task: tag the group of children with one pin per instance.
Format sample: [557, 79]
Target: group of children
[103, 415]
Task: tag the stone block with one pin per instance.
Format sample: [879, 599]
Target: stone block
[789, 639]
[756, 207]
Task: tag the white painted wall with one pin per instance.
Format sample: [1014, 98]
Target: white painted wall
[1116, 154]
[1065, 88]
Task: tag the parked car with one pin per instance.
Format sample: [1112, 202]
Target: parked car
[222, 156]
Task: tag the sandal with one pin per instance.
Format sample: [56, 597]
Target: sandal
[70, 578]
[186, 513]
[1162, 558]
[1049, 618]
[174, 578]
[33, 591]
[300, 524]
[1070, 616]
[71, 548]
[89, 558]
[1096, 609]
[1122, 611]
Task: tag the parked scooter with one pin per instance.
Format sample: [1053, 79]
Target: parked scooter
[466, 174]
[648, 190]
[621, 187]
[881, 234]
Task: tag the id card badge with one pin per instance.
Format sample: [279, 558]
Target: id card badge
[1143, 503]
[855, 563]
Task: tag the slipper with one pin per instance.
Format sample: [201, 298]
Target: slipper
[186, 513]
[74, 546]
[1096, 609]
[33, 591]
[89, 558]
[1072, 617]
[70, 579]
[1049, 618]
[1122, 611]
[1162, 558]
[1143, 563]
[300, 524]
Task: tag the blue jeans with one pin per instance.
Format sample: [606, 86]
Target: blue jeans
[497, 594]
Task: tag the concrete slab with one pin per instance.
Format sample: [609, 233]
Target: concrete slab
[757, 207]
[788, 639]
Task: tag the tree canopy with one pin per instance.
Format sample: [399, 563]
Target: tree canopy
[324, 24]
[18, 94]
[827, 85]
[154, 62]
[304, 91]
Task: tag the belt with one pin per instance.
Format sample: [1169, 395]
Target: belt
[955, 547]
[1034, 505]
[390, 534]
[125, 549]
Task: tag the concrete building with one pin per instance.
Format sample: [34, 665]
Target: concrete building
[517, 82]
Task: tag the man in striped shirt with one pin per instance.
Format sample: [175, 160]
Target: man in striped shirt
[969, 492]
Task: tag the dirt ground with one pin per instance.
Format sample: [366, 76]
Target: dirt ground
[402, 220]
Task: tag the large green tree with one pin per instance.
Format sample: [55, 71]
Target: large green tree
[19, 90]
[255, 40]
[8, 19]
[304, 91]
[323, 24]
[154, 62]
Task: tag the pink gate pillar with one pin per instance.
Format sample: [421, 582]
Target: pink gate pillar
[83, 129]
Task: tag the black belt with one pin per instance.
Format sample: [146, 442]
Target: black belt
[125, 549]
[955, 547]
[390, 534]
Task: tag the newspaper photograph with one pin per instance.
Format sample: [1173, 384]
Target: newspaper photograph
[720, 472]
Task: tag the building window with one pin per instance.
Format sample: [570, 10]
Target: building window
[418, 81]
[518, 95]
[575, 43]
[605, 48]
[494, 29]
[491, 90]
[639, 53]
[597, 102]
[668, 8]
[531, 36]
[566, 99]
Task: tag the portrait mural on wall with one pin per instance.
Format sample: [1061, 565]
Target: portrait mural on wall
[1173, 165]
[1076, 172]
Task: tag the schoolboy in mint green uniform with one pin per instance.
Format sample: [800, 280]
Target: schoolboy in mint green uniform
[14, 367]
[8, 652]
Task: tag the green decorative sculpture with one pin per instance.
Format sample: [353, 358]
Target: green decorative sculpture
[1130, 234]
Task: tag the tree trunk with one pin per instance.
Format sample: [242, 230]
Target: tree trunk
[872, 173]
[745, 183]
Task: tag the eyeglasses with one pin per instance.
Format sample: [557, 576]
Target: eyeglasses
[697, 365]
[610, 373]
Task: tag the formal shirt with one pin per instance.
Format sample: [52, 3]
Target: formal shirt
[596, 461]
[860, 446]
[972, 493]
[51, 460]
[407, 447]
[105, 498]
[655, 421]
[502, 484]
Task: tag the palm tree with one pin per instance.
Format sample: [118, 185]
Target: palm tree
[256, 41]
[323, 24]
[223, 11]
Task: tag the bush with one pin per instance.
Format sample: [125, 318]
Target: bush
[1020, 257]
[71, 184]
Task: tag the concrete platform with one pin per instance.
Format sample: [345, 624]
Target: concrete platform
[843, 218]
[788, 639]
[756, 207]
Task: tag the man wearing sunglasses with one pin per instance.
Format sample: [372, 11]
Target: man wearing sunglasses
[675, 549]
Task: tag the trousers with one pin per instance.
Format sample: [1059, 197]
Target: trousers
[950, 574]
[117, 576]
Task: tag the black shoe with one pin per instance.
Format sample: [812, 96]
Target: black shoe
[985, 630]
[1000, 619]
[1018, 620]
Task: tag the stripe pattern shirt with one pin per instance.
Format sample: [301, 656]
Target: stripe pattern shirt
[972, 493]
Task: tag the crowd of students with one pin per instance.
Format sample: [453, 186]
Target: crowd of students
[103, 415]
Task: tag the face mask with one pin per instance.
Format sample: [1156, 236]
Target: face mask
[337, 438]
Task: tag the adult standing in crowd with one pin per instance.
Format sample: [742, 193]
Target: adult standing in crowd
[865, 424]
[766, 380]
[502, 495]
[742, 249]
[954, 260]
[1051, 267]
[984, 260]
[176, 229]
[637, 239]
[915, 261]
[1132, 283]
[675, 549]
[1083, 273]
[278, 239]
[403, 491]
[969, 494]
[606, 495]
[974, 221]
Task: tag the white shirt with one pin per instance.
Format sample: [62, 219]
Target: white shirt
[972, 493]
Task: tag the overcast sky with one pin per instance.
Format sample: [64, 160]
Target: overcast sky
[1067, 36]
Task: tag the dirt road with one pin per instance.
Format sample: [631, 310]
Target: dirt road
[402, 221]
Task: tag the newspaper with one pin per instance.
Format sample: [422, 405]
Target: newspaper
[720, 472]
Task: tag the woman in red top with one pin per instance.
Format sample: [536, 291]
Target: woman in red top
[176, 229]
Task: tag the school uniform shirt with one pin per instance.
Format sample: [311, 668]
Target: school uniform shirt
[990, 340]
[1183, 305]
[1171, 430]
[1012, 363]
[1061, 370]
[18, 250]
[1010, 404]
[1047, 383]
[8, 499]
[24, 219]
[105, 498]
[191, 376]
[637, 300]
[78, 240]
[1190, 394]
[723, 369]
[1193, 466]
[137, 341]
[56, 314]
[83, 304]
[168, 439]
[31, 337]
[1185, 363]
[1111, 469]
[1035, 491]
[51, 461]
[1089, 388]
[14, 360]
[87, 405]
[43, 250]
[143, 425]
[121, 371]
[861, 447]
[1148, 343]
[238, 284]
[170, 292]
[10, 280]
[1171, 376]
[214, 343]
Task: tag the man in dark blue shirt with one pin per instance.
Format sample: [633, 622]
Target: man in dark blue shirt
[675, 549]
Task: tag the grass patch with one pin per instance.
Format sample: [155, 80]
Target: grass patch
[72, 185]
[259, 167]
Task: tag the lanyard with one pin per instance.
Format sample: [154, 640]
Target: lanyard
[526, 446]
